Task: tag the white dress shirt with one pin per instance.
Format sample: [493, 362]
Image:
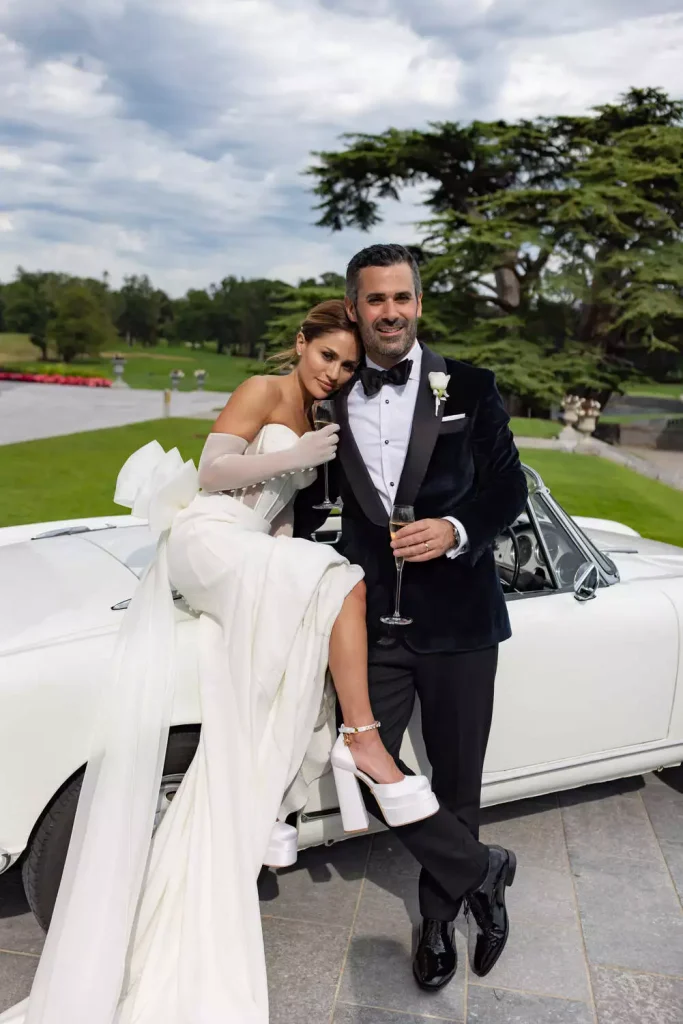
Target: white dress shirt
[381, 426]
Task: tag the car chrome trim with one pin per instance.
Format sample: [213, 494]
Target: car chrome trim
[327, 538]
[71, 531]
[317, 815]
[536, 527]
[538, 486]
[122, 605]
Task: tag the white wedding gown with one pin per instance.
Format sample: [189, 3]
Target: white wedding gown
[170, 933]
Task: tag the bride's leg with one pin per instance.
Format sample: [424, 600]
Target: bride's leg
[349, 668]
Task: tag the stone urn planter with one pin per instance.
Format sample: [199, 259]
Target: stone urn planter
[571, 409]
[588, 416]
[176, 377]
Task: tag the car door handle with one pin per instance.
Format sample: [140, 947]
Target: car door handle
[328, 538]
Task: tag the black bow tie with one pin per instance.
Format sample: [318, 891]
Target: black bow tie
[373, 380]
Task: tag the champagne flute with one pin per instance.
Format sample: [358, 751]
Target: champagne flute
[323, 413]
[401, 515]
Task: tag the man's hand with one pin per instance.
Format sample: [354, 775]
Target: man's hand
[424, 540]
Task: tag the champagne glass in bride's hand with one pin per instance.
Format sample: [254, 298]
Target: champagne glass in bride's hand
[324, 413]
[401, 515]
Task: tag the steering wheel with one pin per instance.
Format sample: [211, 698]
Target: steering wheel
[517, 558]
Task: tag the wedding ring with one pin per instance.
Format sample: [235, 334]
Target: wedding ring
[426, 544]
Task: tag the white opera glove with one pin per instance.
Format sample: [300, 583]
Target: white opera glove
[223, 465]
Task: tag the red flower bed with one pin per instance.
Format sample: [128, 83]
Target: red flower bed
[56, 378]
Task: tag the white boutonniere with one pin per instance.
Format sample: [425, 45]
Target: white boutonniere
[438, 382]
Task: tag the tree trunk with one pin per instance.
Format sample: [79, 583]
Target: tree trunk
[40, 343]
[507, 282]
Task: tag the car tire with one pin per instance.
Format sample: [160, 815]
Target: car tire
[44, 861]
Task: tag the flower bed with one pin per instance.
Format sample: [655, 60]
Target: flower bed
[56, 378]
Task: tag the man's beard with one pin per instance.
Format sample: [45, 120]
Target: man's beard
[375, 343]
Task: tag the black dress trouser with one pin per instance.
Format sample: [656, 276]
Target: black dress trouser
[456, 698]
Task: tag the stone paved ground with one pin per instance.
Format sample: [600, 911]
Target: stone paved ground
[29, 411]
[596, 908]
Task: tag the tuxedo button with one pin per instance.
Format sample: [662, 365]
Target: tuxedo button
[386, 442]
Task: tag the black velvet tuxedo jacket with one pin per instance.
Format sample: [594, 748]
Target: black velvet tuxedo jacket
[467, 468]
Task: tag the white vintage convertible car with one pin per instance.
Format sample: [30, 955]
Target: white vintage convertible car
[589, 688]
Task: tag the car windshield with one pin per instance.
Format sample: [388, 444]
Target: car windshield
[598, 556]
[565, 546]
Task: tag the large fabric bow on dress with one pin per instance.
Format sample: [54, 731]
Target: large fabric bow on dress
[155, 485]
[81, 971]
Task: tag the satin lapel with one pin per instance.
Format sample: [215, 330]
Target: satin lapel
[423, 433]
[355, 469]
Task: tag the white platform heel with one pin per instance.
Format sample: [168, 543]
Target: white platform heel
[401, 803]
[282, 848]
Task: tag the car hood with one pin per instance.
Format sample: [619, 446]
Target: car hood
[57, 589]
[134, 545]
[637, 557]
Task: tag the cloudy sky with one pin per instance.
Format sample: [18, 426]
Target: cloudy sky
[168, 137]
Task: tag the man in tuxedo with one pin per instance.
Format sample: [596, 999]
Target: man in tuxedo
[449, 453]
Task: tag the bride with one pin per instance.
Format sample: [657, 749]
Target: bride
[168, 931]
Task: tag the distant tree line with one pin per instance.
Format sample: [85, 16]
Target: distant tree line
[67, 316]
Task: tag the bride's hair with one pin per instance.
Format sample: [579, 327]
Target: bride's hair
[325, 318]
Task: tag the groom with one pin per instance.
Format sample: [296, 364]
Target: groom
[406, 439]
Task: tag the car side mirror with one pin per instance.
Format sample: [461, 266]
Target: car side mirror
[586, 581]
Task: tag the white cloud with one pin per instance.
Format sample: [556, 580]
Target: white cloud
[571, 72]
[168, 136]
[304, 60]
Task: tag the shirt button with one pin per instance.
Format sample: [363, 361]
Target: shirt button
[392, 484]
[386, 442]
[386, 401]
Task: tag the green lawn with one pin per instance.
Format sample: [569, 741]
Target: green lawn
[16, 346]
[150, 369]
[65, 477]
[145, 367]
[660, 390]
[523, 426]
[590, 486]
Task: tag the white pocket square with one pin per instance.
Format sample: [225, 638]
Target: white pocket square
[457, 416]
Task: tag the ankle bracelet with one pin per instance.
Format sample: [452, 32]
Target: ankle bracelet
[348, 731]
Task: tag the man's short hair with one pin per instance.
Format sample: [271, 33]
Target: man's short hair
[379, 256]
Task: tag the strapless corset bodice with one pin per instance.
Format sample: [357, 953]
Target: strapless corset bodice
[269, 498]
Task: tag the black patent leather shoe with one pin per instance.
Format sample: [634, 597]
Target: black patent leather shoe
[486, 905]
[435, 960]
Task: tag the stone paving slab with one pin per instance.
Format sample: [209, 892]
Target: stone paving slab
[596, 936]
[628, 998]
[32, 411]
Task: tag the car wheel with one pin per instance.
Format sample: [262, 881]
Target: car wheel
[44, 861]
